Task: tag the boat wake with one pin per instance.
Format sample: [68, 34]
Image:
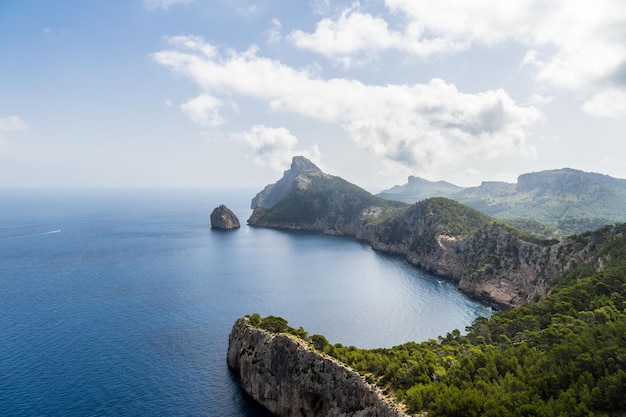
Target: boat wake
[34, 234]
[50, 232]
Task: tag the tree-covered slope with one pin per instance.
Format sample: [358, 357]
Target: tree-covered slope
[563, 356]
[569, 200]
[489, 259]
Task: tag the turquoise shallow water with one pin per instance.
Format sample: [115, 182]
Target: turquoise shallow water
[119, 302]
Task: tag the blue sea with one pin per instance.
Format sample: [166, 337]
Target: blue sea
[120, 302]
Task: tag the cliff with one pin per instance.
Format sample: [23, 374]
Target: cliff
[289, 378]
[489, 259]
[274, 193]
[306, 198]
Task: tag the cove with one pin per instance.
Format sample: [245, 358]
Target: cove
[120, 302]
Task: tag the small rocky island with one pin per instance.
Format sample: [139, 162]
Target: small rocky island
[290, 377]
[223, 218]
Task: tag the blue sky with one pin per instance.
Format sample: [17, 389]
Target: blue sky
[224, 93]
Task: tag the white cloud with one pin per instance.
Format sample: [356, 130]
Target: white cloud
[163, 4]
[539, 100]
[419, 125]
[247, 10]
[273, 34]
[273, 147]
[472, 173]
[204, 110]
[610, 104]
[573, 44]
[355, 33]
[320, 6]
[12, 124]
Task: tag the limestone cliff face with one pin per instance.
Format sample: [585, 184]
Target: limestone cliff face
[290, 379]
[291, 179]
[223, 218]
[489, 260]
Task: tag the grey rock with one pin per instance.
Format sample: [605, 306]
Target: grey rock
[274, 193]
[492, 262]
[290, 378]
[223, 218]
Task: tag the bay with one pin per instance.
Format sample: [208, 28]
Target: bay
[120, 302]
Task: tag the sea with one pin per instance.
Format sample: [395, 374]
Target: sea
[119, 302]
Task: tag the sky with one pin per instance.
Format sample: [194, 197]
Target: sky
[216, 93]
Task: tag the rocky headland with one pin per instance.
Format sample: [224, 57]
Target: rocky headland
[223, 218]
[290, 378]
[489, 259]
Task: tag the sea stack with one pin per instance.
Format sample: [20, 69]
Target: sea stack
[223, 218]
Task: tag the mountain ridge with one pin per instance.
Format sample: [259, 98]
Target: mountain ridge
[568, 199]
[489, 259]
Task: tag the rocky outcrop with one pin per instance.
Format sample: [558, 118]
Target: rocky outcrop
[289, 378]
[223, 218]
[488, 259]
[274, 193]
[306, 198]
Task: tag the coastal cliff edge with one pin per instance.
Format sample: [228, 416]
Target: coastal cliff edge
[288, 377]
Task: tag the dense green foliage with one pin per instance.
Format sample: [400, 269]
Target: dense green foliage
[564, 356]
[454, 219]
[274, 324]
[423, 221]
[539, 230]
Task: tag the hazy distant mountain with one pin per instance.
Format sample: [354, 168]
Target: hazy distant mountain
[571, 200]
[417, 189]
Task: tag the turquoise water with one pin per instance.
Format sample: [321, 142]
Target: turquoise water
[120, 302]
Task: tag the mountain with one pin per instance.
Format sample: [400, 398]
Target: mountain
[307, 198]
[561, 351]
[570, 200]
[273, 193]
[417, 189]
[488, 258]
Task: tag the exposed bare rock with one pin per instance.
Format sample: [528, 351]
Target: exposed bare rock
[290, 378]
[488, 259]
[223, 218]
[291, 179]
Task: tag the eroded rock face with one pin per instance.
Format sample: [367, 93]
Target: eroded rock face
[223, 218]
[489, 261]
[289, 378]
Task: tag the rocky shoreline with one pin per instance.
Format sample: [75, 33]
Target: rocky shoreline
[490, 261]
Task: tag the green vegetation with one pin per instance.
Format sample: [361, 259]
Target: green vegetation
[328, 199]
[423, 221]
[539, 230]
[275, 324]
[570, 200]
[564, 356]
[453, 218]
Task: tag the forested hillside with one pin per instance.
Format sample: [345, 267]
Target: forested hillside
[564, 356]
[567, 200]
